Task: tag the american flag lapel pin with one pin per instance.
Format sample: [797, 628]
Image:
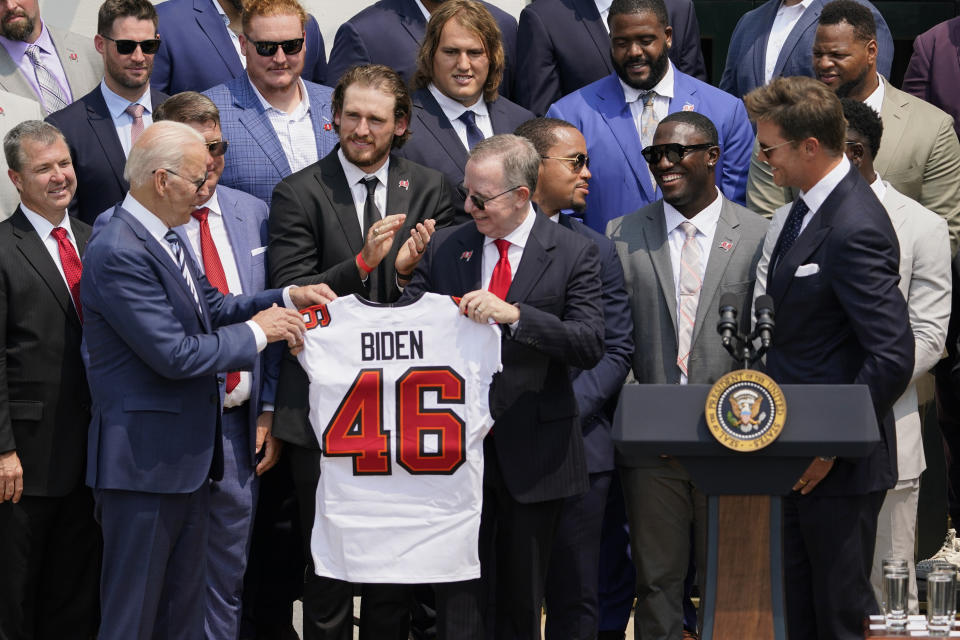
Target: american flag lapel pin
[726, 245]
[405, 185]
[465, 256]
[73, 57]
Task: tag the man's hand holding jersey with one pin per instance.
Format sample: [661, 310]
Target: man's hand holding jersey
[482, 306]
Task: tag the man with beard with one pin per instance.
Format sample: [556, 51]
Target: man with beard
[919, 153]
[358, 220]
[103, 125]
[209, 30]
[276, 121]
[618, 114]
[41, 62]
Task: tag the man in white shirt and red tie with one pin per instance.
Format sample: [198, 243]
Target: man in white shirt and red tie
[50, 557]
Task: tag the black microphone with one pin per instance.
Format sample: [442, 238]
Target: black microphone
[727, 327]
[763, 310]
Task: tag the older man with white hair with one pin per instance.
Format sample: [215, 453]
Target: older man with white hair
[157, 333]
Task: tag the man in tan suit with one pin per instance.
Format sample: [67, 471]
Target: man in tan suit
[920, 154]
[41, 62]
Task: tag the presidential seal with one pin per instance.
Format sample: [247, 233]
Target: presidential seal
[745, 410]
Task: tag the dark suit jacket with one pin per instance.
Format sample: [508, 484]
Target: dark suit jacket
[564, 45]
[315, 236]
[934, 70]
[557, 289]
[433, 142]
[390, 32]
[196, 52]
[98, 158]
[154, 357]
[848, 323]
[746, 56]
[597, 389]
[44, 399]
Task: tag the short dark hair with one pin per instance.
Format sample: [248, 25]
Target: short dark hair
[864, 121]
[186, 107]
[112, 10]
[629, 7]
[853, 13]
[803, 108]
[542, 132]
[698, 121]
[380, 77]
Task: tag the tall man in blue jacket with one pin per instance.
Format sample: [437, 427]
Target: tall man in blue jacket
[158, 333]
[619, 114]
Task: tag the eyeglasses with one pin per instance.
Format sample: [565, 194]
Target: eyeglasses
[217, 147]
[198, 183]
[267, 48]
[767, 150]
[481, 203]
[577, 162]
[674, 152]
[126, 47]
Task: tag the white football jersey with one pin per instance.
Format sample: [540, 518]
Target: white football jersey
[398, 400]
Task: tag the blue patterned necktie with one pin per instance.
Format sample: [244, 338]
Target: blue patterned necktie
[791, 229]
[177, 249]
[474, 135]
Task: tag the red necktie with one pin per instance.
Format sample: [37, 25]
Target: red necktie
[502, 275]
[214, 272]
[70, 261]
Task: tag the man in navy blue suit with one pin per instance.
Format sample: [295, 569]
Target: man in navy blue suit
[565, 45]
[192, 31]
[390, 32]
[831, 264]
[101, 126]
[277, 122]
[158, 333]
[776, 39]
[455, 99]
[573, 578]
[619, 114]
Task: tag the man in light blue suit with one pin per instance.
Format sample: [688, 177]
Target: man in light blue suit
[618, 114]
[276, 122]
[195, 30]
[157, 334]
[769, 42]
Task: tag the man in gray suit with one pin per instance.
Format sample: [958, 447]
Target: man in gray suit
[14, 109]
[41, 62]
[679, 256]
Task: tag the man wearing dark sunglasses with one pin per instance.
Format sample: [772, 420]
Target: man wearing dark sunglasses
[42, 62]
[101, 126]
[679, 254]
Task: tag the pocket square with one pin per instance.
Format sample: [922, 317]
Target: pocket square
[257, 251]
[806, 270]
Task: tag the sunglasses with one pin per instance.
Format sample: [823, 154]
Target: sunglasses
[267, 48]
[217, 147]
[767, 150]
[198, 183]
[674, 152]
[577, 162]
[126, 47]
[478, 202]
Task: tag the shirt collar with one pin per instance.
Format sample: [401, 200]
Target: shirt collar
[423, 10]
[43, 227]
[878, 187]
[213, 203]
[154, 225]
[519, 235]
[18, 48]
[604, 5]
[819, 192]
[297, 113]
[117, 104]
[223, 14]
[355, 174]
[453, 109]
[801, 7]
[875, 99]
[705, 221]
[663, 88]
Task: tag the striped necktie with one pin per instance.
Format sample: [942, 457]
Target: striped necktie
[177, 249]
[690, 283]
[51, 95]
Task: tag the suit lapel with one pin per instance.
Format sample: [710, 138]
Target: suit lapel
[893, 112]
[470, 260]
[412, 20]
[106, 134]
[255, 120]
[32, 248]
[433, 119]
[807, 19]
[233, 222]
[333, 183]
[658, 247]
[212, 26]
[322, 120]
[728, 235]
[589, 17]
[398, 201]
[535, 261]
[11, 79]
[617, 115]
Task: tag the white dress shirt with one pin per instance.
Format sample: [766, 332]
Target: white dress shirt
[875, 99]
[234, 39]
[706, 223]
[423, 10]
[819, 192]
[783, 24]
[294, 130]
[453, 110]
[878, 187]
[661, 101]
[44, 229]
[603, 6]
[517, 239]
[358, 189]
[123, 121]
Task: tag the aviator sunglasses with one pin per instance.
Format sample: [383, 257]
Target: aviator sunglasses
[126, 47]
[674, 152]
[267, 48]
[217, 147]
[577, 162]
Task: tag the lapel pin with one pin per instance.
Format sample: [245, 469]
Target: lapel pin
[404, 184]
[73, 57]
[2, 112]
[726, 245]
[465, 256]
[327, 126]
[689, 107]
